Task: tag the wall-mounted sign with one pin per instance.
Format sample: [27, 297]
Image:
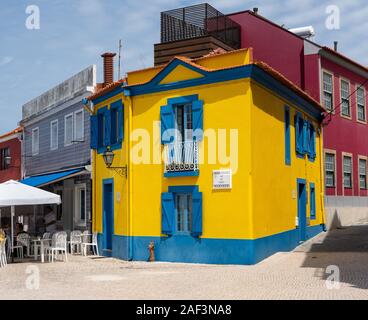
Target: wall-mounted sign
[222, 179]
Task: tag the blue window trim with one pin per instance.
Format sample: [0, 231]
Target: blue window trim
[183, 100]
[182, 190]
[287, 136]
[299, 135]
[312, 201]
[175, 231]
[119, 107]
[172, 103]
[181, 174]
[312, 152]
[102, 111]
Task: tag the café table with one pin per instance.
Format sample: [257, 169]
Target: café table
[42, 244]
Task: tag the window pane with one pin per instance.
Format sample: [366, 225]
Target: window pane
[79, 134]
[54, 135]
[114, 126]
[35, 142]
[68, 130]
[330, 169]
[82, 204]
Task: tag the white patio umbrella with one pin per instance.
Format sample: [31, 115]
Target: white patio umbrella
[13, 193]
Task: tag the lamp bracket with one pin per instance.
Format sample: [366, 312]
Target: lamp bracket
[122, 171]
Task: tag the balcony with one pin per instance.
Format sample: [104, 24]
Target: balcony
[195, 31]
[181, 157]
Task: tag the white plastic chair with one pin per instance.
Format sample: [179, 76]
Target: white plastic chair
[24, 240]
[58, 245]
[86, 243]
[75, 241]
[3, 258]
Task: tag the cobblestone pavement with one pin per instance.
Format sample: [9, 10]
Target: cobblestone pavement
[295, 275]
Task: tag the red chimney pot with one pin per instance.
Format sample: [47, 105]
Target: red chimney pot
[108, 58]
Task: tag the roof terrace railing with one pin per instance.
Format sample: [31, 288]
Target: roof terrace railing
[198, 21]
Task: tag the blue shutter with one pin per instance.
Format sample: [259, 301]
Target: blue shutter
[312, 142]
[167, 123]
[312, 201]
[121, 123]
[94, 132]
[168, 213]
[107, 136]
[297, 134]
[197, 110]
[197, 220]
[305, 137]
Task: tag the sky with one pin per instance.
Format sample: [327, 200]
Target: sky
[74, 33]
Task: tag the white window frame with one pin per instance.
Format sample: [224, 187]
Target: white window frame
[68, 116]
[77, 213]
[348, 155]
[331, 152]
[349, 116]
[362, 158]
[75, 126]
[364, 105]
[35, 151]
[57, 135]
[332, 91]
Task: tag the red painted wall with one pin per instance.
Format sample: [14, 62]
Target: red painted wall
[14, 172]
[345, 135]
[273, 45]
[285, 52]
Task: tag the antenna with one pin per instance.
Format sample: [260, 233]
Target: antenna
[119, 70]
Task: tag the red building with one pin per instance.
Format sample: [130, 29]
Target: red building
[340, 84]
[10, 156]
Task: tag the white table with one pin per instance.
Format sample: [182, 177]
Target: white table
[40, 243]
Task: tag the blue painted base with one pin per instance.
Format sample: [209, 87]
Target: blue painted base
[187, 249]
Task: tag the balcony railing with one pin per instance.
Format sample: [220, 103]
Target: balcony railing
[198, 21]
[181, 156]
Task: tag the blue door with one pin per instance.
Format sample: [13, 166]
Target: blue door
[108, 215]
[302, 209]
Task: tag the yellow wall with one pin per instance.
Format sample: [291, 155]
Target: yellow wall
[226, 214]
[274, 183]
[263, 200]
[100, 173]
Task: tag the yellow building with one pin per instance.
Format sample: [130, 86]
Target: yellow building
[215, 160]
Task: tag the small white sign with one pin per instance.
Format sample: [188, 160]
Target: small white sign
[222, 179]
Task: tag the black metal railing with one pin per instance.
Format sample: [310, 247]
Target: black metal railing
[198, 21]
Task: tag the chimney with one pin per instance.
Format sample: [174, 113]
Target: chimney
[335, 45]
[255, 10]
[108, 58]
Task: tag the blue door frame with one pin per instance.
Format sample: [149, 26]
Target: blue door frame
[108, 215]
[302, 209]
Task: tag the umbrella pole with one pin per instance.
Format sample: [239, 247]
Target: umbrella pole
[12, 232]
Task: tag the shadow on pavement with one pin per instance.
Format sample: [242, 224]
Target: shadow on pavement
[346, 248]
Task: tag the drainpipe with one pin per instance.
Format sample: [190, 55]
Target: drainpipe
[130, 175]
[88, 105]
[322, 178]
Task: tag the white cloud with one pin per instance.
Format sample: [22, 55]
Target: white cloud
[6, 60]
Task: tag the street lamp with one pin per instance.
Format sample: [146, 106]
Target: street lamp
[108, 157]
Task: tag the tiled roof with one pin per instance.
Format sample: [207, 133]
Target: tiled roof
[108, 88]
[17, 130]
[277, 75]
[291, 85]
